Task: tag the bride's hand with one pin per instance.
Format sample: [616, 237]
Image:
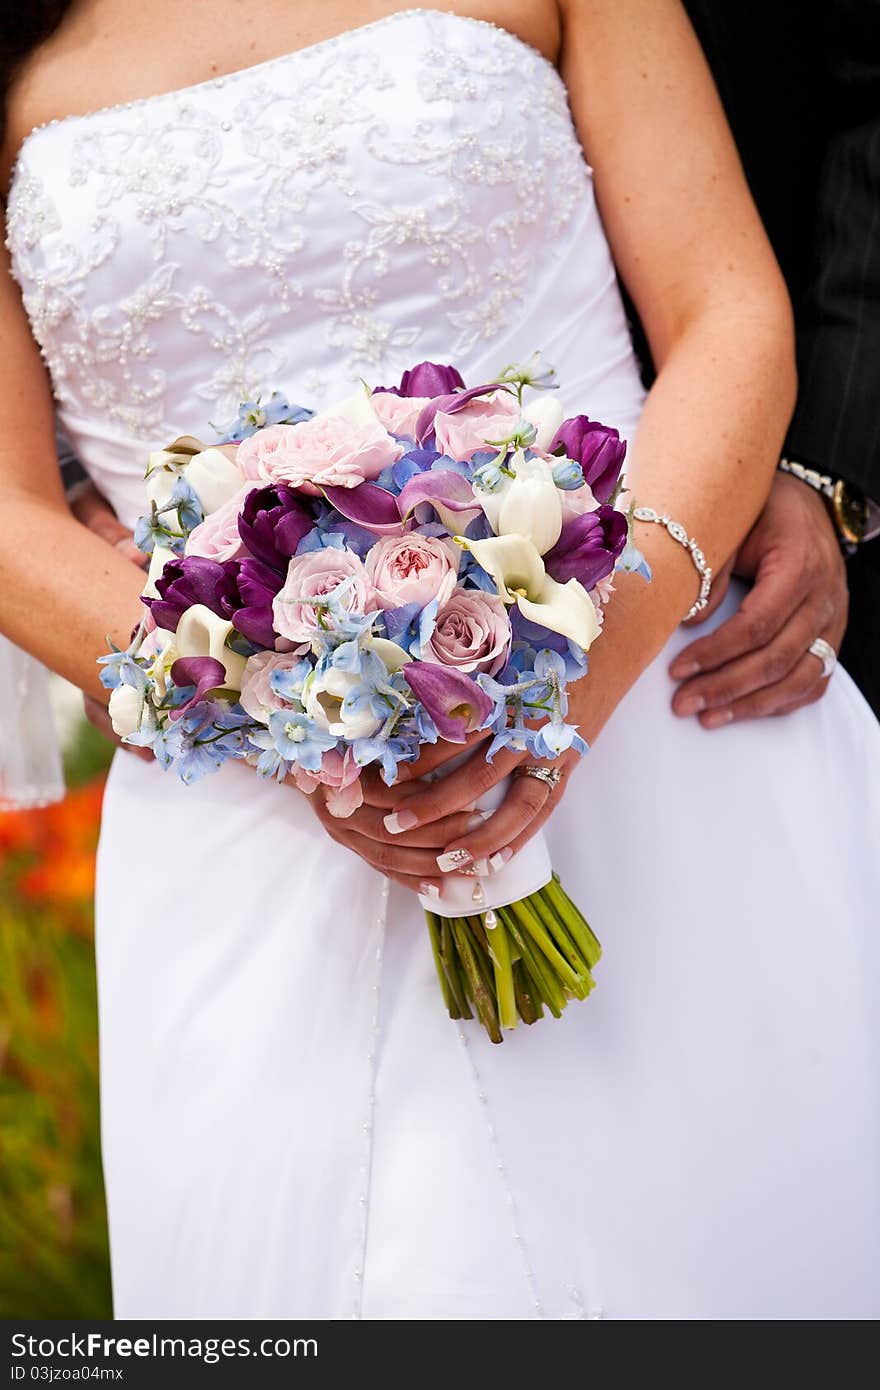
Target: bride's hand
[409, 856]
[490, 842]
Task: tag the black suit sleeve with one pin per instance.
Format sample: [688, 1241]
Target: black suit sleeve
[836, 426]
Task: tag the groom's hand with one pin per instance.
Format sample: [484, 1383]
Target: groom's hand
[93, 511]
[757, 662]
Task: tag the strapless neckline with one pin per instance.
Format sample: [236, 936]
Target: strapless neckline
[271, 65]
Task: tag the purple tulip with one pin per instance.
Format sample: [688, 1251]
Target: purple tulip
[427, 379]
[588, 547]
[454, 701]
[204, 672]
[272, 523]
[251, 587]
[597, 448]
[186, 582]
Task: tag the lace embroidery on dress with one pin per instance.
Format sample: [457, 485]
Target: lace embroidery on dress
[171, 194]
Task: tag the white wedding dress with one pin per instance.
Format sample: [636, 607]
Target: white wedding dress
[292, 1125]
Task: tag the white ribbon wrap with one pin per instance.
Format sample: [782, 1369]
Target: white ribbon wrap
[527, 872]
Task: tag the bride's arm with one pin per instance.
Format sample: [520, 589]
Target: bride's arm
[689, 245]
[62, 590]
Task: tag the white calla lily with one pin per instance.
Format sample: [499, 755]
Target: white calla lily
[392, 656]
[545, 413]
[531, 504]
[160, 485]
[202, 633]
[214, 476]
[124, 709]
[357, 408]
[520, 577]
[323, 696]
[158, 560]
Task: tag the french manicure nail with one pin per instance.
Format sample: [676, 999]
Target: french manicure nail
[718, 718]
[430, 890]
[473, 824]
[399, 821]
[497, 861]
[454, 859]
[692, 705]
[683, 670]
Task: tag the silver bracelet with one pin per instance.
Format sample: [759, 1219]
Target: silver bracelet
[678, 533]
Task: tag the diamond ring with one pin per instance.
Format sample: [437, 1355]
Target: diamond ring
[551, 775]
[825, 653]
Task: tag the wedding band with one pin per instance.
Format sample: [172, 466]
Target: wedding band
[825, 653]
[551, 775]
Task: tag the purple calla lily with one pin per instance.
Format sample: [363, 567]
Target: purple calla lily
[442, 489]
[184, 583]
[272, 523]
[588, 547]
[456, 703]
[598, 449]
[368, 505]
[250, 589]
[426, 379]
[204, 672]
[450, 405]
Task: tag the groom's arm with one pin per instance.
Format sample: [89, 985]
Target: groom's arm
[836, 426]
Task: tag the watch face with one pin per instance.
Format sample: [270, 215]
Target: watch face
[852, 513]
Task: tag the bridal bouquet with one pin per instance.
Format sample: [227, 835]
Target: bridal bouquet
[333, 590]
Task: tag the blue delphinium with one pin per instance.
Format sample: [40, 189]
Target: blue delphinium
[256, 415]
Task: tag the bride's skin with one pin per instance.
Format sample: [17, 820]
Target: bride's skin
[686, 239]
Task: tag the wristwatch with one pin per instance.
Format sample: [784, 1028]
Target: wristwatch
[856, 517]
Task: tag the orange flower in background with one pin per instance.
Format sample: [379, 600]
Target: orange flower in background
[50, 850]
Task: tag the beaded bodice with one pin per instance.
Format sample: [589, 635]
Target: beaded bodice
[411, 189]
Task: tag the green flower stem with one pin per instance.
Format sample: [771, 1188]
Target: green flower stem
[528, 996]
[505, 993]
[556, 925]
[448, 996]
[483, 1000]
[588, 944]
[550, 991]
[449, 958]
[472, 928]
[542, 940]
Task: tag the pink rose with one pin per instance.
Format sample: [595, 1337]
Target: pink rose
[311, 577]
[462, 433]
[472, 633]
[217, 537]
[330, 450]
[257, 696]
[341, 775]
[578, 502]
[412, 569]
[399, 413]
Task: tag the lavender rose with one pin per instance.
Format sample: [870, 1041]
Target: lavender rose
[472, 633]
[597, 448]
